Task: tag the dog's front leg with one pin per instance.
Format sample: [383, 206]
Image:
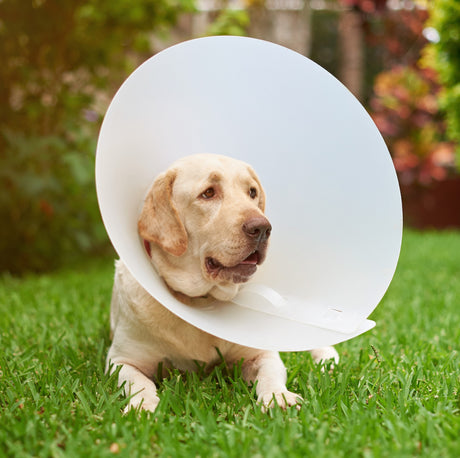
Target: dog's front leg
[268, 371]
[141, 390]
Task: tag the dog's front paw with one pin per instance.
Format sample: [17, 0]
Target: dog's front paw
[281, 398]
[325, 355]
[149, 404]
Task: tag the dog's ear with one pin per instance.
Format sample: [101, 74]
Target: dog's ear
[159, 221]
[262, 192]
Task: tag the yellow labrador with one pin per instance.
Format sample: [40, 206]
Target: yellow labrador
[204, 228]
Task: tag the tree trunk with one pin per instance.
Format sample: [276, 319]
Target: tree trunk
[351, 36]
[286, 27]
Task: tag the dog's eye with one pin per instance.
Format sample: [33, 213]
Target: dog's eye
[208, 194]
[253, 193]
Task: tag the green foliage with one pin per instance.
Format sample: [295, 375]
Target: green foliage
[445, 57]
[395, 392]
[49, 202]
[230, 22]
[61, 62]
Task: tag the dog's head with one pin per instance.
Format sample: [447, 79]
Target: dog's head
[204, 223]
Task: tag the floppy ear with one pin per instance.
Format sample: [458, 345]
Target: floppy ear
[159, 221]
[262, 192]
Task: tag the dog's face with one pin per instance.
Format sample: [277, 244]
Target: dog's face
[205, 224]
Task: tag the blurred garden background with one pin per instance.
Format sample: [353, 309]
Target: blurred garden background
[62, 62]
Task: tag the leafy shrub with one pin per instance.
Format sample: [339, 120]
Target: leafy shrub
[49, 203]
[61, 62]
[405, 108]
[445, 57]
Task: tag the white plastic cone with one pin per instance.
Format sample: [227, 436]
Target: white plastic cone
[332, 194]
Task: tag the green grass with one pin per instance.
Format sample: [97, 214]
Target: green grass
[394, 394]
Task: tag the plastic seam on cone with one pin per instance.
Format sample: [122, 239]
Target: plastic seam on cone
[264, 299]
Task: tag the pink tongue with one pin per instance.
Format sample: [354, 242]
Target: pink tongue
[251, 259]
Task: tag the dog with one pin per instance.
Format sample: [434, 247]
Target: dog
[204, 229]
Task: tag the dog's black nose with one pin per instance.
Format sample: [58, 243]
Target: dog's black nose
[258, 228]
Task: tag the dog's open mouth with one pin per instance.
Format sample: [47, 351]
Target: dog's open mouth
[214, 264]
[237, 273]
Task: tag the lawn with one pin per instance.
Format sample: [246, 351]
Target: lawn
[395, 392]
